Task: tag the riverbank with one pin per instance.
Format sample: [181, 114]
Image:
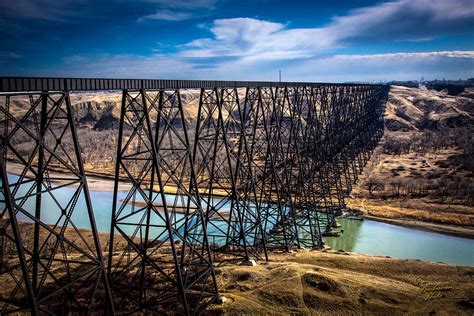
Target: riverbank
[98, 181]
[341, 283]
[459, 221]
[95, 181]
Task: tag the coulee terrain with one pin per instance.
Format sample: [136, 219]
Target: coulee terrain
[422, 172]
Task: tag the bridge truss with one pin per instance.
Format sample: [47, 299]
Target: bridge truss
[262, 166]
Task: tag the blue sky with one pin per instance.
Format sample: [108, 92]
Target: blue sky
[328, 41]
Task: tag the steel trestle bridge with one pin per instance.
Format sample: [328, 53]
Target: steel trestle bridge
[262, 166]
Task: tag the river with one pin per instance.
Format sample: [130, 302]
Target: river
[376, 238]
[367, 236]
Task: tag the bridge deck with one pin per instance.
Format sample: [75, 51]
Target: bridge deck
[22, 84]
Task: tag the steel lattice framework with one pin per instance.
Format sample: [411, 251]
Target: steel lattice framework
[262, 166]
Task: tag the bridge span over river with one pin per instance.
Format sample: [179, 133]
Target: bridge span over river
[257, 167]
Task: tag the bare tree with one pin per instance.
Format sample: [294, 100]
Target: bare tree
[373, 184]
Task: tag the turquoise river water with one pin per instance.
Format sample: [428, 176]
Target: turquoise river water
[369, 237]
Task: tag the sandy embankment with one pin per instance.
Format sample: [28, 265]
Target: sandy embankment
[95, 183]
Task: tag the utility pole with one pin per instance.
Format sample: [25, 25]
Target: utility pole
[279, 75]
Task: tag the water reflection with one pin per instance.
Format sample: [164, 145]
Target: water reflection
[347, 240]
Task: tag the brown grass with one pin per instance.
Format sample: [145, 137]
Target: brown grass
[319, 283]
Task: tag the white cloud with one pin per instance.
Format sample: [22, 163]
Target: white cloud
[235, 37]
[402, 20]
[391, 20]
[392, 56]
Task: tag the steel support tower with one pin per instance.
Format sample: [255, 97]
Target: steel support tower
[206, 173]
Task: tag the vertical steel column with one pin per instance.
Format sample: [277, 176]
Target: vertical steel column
[56, 264]
[10, 206]
[194, 187]
[250, 182]
[118, 162]
[109, 306]
[39, 184]
[156, 166]
[234, 195]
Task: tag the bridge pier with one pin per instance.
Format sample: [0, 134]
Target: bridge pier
[168, 235]
[56, 258]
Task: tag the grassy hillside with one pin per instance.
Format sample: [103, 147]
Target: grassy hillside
[338, 283]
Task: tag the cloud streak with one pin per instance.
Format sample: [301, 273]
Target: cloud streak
[184, 4]
[337, 68]
[392, 56]
[166, 15]
[49, 10]
[177, 10]
[385, 67]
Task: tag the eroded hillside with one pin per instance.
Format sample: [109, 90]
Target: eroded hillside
[424, 167]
